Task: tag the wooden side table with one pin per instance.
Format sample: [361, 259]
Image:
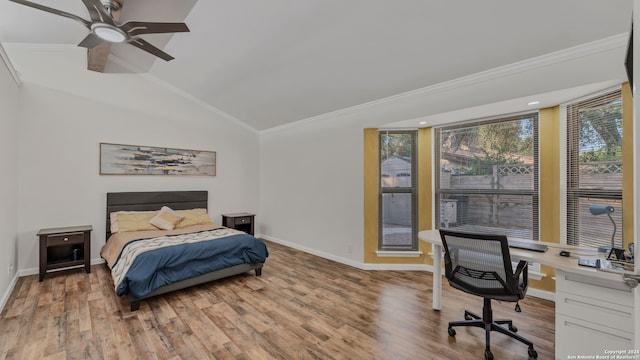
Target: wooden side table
[65, 247]
[239, 221]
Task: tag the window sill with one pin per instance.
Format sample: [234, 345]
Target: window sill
[388, 253]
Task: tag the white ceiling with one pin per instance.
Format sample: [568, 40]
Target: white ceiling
[269, 63]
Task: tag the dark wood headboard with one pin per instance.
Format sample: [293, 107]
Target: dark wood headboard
[154, 200]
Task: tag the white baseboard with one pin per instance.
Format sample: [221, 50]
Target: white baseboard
[7, 293]
[311, 251]
[356, 264]
[400, 267]
[542, 294]
[28, 272]
[36, 271]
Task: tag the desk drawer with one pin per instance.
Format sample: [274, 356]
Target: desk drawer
[602, 313]
[614, 292]
[576, 337]
[65, 239]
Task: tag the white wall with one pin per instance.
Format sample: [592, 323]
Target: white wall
[311, 189]
[304, 181]
[9, 92]
[60, 134]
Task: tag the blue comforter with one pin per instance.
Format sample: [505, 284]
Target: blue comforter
[161, 266]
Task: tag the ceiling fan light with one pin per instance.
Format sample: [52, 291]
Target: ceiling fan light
[108, 33]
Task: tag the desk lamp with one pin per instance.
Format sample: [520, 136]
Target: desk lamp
[597, 209]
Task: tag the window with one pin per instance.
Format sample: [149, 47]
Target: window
[594, 170]
[398, 191]
[488, 176]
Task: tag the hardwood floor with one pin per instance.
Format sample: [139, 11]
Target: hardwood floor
[302, 307]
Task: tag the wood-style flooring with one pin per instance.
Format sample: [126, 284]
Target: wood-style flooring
[302, 307]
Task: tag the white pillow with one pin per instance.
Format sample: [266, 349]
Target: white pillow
[166, 219]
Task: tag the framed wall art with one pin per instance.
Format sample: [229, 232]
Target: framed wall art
[119, 159]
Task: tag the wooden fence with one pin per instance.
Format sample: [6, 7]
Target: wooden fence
[513, 211]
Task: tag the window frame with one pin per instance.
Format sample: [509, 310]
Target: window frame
[534, 193]
[412, 190]
[572, 191]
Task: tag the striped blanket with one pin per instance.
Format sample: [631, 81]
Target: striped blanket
[145, 264]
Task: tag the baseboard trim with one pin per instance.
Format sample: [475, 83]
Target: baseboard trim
[313, 251]
[7, 293]
[399, 267]
[356, 264]
[542, 294]
[36, 271]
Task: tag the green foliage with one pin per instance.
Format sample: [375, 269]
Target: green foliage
[486, 145]
[601, 133]
[504, 143]
[613, 153]
[398, 144]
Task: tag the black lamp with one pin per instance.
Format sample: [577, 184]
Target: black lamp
[597, 209]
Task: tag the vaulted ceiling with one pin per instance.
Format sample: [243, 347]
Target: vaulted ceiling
[269, 63]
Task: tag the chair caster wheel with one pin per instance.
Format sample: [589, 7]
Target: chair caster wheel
[451, 331]
[533, 353]
[488, 355]
[513, 328]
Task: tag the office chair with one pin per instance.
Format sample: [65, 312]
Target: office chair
[481, 265]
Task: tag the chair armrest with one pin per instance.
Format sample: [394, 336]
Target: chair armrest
[523, 269]
[522, 265]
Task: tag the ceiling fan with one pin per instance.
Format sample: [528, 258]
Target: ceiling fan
[106, 29]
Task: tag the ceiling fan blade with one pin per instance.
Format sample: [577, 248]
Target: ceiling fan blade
[97, 56]
[90, 41]
[142, 44]
[134, 28]
[84, 22]
[98, 12]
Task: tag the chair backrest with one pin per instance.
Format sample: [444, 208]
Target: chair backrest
[480, 264]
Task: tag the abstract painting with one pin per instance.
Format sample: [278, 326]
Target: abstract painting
[118, 159]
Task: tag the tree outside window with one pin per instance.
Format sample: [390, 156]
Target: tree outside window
[594, 170]
[487, 181]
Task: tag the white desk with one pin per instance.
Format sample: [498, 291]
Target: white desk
[594, 309]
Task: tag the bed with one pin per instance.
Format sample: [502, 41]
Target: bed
[149, 262]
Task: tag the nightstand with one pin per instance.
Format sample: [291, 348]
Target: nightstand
[239, 221]
[65, 247]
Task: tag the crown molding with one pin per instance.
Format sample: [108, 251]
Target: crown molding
[9, 65]
[575, 52]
